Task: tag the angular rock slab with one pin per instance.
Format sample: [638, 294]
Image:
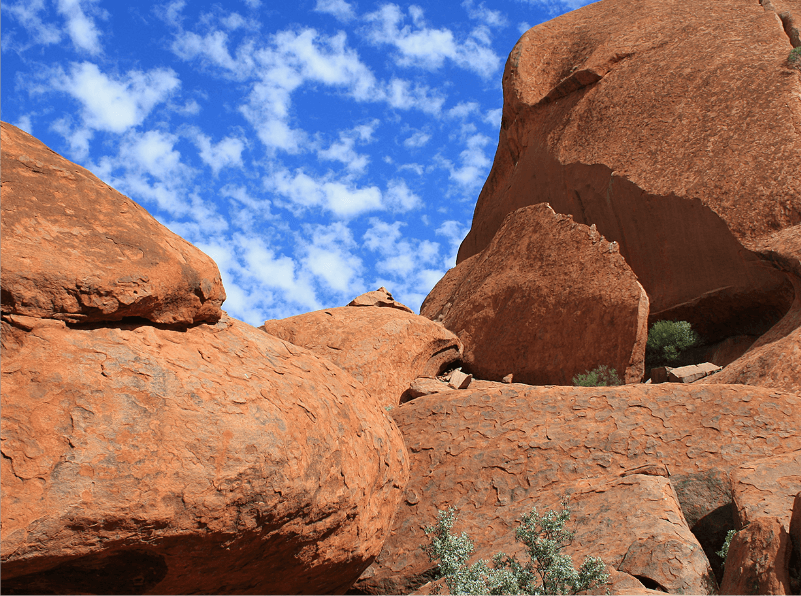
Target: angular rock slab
[214, 460]
[766, 488]
[758, 559]
[489, 450]
[381, 298]
[77, 250]
[546, 300]
[628, 114]
[384, 348]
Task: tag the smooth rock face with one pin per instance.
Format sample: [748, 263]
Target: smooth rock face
[641, 116]
[766, 488]
[213, 460]
[547, 299]
[758, 559]
[487, 451]
[384, 348]
[77, 250]
[774, 360]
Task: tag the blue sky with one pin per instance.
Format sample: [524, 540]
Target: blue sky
[315, 149]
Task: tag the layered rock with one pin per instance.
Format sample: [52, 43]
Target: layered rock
[489, 451]
[643, 118]
[77, 250]
[383, 346]
[546, 300]
[217, 460]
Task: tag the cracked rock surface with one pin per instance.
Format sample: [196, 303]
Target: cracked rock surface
[77, 250]
[493, 452]
[217, 459]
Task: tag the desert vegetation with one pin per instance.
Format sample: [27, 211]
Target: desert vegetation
[602, 376]
[548, 571]
[668, 339]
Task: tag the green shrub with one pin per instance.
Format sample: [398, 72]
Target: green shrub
[549, 571]
[603, 376]
[724, 550]
[667, 339]
[795, 57]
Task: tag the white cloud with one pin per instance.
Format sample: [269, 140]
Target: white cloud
[417, 139]
[225, 153]
[557, 7]
[481, 13]
[400, 94]
[119, 103]
[523, 27]
[402, 258]
[27, 13]
[493, 117]
[429, 48]
[463, 109]
[80, 27]
[399, 198]
[330, 259]
[454, 232]
[340, 197]
[77, 137]
[474, 165]
[24, 123]
[343, 150]
[342, 10]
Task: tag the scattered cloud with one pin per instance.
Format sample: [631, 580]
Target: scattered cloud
[474, 163]
[429, 48]
[226, 153]
[342, 10]
[417, 140]
[115, 104]
[28, 13]
[481, 13]
[557, 7]
[80, 27]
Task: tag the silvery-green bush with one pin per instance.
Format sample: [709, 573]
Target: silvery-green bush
[603, 376]
[548, 571]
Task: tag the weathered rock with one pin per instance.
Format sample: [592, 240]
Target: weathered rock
[77, 250]
[213, 460]
[459, 380]
[774, 360]
[758, 559]
[547, 299]
[641, 117]
[692, 373]
[384, 348]
[487, 451]
[766, 488]
[795, 524]
[379, 297]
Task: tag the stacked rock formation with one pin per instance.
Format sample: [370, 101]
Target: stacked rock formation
[141, 457]
[630, 116]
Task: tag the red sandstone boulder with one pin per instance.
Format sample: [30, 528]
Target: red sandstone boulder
[488, 451]
[645, 118]
[758, 559]
[384, 348]
[77, 250]
[546, 300]
[381, 298]
[766, 488]
[774, 360]
[217, 459]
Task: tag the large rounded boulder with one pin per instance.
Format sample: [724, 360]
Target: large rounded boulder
[217, 459]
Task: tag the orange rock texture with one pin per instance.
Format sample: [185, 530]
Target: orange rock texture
[384, 347]
[489, 451]
[77, 250]
[758, 559]
[675, 128]
[217, 459]
[546, 300]
[774, 360]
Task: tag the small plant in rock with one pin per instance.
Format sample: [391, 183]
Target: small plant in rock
[795, 58]
[724, 550]
[603, 376]
[667, 339]
[548, 571]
